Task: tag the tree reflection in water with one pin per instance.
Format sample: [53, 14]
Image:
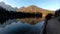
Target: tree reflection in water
[17, 27]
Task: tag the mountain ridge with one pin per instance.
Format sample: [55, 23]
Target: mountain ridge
[32, 8]
[7, 7]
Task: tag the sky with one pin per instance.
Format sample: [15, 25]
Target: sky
[45, 4]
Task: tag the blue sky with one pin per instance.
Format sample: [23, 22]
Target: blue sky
[45, 4]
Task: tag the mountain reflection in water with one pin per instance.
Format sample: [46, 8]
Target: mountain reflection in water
[17, 27]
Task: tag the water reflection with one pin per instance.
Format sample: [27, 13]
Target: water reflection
[17, 27]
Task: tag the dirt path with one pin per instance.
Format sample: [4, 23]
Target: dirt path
[53, 26]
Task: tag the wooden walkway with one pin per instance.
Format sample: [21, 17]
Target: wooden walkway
[53, 26]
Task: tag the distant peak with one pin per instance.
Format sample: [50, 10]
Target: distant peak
[22, 7]
[33, 6]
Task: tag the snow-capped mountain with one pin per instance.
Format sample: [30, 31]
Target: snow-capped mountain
[7, 7]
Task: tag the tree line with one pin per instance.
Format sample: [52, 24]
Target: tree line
[6, 15]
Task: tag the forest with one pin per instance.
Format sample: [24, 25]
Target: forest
[6, 15]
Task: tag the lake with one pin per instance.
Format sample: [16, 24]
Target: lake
[17, 27]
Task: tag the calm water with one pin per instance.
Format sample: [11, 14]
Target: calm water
[17, 27]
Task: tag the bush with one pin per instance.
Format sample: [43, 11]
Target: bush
[49, 16]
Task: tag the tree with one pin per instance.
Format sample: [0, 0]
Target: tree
[49, 16]
[57, 13]
[38, 15]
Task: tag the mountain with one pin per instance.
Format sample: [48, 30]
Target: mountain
[34, 9]
[7, 7]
